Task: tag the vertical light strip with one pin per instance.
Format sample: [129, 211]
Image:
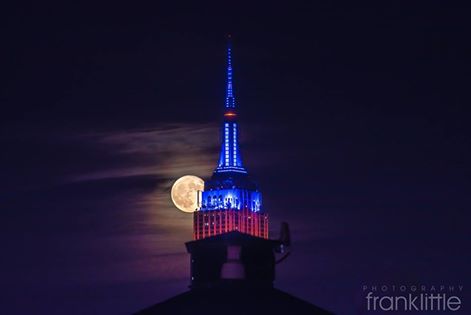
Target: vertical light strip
[226, 143]
[236, 151]
[234, 145]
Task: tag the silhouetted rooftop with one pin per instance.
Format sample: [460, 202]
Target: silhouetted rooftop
[234, 299]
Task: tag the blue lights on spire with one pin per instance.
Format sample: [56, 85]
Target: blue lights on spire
[230, 159]
[230, 187]
[230, 100]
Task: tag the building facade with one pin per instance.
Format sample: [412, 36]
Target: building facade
[231, 200]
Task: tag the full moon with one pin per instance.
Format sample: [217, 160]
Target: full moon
[185, 192]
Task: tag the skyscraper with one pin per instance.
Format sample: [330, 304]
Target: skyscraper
[231, 200]
[232, 260]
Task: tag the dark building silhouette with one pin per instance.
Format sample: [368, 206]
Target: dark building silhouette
[233, 273]
[232, 260]
[234, 255]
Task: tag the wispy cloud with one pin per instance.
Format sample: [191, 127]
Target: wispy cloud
[167, 151]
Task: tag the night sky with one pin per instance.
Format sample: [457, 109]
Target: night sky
[355, 121]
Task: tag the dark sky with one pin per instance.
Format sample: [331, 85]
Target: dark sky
[355, 122]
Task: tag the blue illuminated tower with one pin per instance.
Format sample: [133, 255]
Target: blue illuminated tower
[229, 157]
[231, 201]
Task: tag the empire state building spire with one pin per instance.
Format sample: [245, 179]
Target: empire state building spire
[231, 200]
[230, 159]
